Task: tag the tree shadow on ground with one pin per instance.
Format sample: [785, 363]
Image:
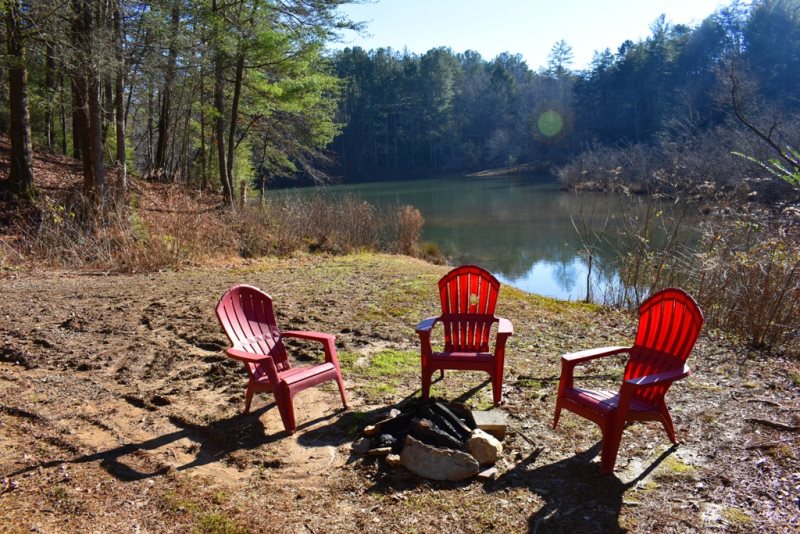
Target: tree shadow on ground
[216, 440]
[578, 498]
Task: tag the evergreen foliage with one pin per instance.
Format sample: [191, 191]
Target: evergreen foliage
[408, 114]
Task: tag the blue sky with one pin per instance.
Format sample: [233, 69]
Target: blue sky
[527, 27]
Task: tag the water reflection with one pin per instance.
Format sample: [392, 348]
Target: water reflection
[519, 229]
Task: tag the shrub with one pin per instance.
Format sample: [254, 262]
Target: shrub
[744, 270]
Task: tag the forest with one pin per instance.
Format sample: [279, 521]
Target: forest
[202, 93]
[216, 93]
[442, 111]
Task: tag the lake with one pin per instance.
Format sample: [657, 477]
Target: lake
[518, 228]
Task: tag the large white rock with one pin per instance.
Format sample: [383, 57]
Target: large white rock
[435, 463]
[484, 447]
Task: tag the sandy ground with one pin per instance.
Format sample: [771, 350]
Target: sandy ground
[120, 413]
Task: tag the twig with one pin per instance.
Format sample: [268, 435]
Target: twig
[765, 401]
[523, 436]
[763, 446]
[774, 424]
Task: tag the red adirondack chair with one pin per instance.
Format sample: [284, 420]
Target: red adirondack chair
[669, 323]
[468, 295]
[246, 315]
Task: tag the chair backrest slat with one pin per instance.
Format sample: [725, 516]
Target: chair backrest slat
[669, 324]
[248, 319]
[468, 295]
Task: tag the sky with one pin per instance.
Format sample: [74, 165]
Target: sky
[527, 27]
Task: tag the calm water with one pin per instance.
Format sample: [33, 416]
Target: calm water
[517, 228]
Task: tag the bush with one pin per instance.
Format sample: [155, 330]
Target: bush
[743, 268]
[162, 226]
[329, 224]
[748, 278]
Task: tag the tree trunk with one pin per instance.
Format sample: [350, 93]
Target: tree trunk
[21, 164]
[90, 112]
[50, 93]
[119, 105]
[63, 114]
[237, 93]
[3, 98]
[219, 89]
[97, 181]
[164, 118]
[203, 176]
[78, 119]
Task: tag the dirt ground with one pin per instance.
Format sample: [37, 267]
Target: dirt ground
[120, 413]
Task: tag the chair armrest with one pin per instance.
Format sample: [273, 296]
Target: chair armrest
[312, 336]
[247, 357]
[504, 327]
[571, 360]
[263, 359]
[327, 340]
[659, 378]
[591, 354]
[426, 325]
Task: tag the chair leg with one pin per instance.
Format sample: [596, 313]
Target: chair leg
[426, 382]
[286, 408]
[341, 390]
[557, 415]
[666, 420]
[497, 388]
[248, 398]
[612, 435]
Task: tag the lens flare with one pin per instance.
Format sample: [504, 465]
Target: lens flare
[550, 123]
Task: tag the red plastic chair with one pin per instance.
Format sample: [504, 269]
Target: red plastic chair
[246, 315]
[468, 295]
[669, 323]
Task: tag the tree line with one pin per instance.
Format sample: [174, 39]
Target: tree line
[212, 93]
[198, 92]
[408, 114]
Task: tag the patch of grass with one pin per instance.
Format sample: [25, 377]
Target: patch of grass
[795, 378]
[347, 359]
[388, 362]
[179, 504]
[708, 417]
[217, 523]
[530, 383]
[359, 421]
[383, 372]
[569, 424]
[549, 304]
[782, 453]
[485, 402]
[703, 386]
[673, 467]
[737, 517]
[59, 493]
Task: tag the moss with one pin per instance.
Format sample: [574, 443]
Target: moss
[737, 517]
[795, 378]
[673, 467]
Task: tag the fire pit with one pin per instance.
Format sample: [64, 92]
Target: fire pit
[432, 438]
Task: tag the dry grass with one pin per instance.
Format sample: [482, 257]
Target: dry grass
[166, 227]
[741, 261]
